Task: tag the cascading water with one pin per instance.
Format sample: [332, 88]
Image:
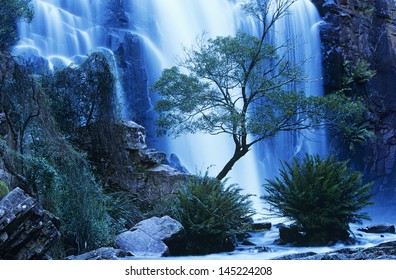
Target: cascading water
[64, 32]
[62, 29]
[300, 30]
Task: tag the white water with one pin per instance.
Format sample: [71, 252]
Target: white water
[300, 29]
[65, 32]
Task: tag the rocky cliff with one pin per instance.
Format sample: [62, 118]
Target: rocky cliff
[355, 30]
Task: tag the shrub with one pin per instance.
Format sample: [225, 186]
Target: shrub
[211, 214]
[4, 190]
[320, 196]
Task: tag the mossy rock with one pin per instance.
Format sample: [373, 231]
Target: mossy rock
[4, 190]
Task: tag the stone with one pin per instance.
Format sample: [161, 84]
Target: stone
[26, 230]
[289, 235]
[154, 237]
[105, 253]
[246, 242]
[261, 226]
[175, 163]
[119, 150]
[384, 251]
[379, 229]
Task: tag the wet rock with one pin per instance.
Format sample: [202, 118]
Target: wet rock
[289, 235]
[155, 237]
[175, 163]
[384, 251]
[247, 243]
[379, 229]
[26, 230]
[353, 30]
[261, 226]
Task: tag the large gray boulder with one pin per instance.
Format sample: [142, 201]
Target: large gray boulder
[26, 230]
[154, 237]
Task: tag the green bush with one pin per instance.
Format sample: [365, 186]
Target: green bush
[320, 196]
[211, 214]
[4, 190]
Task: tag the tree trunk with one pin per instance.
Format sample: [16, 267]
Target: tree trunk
[238, 154]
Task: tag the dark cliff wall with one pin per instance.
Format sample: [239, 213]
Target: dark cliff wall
[366, 29]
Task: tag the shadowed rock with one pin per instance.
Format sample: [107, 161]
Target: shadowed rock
[26, 230]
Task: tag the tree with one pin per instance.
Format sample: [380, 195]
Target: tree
[81, 95]
[321, 197]
[10, 12]
[242, 86]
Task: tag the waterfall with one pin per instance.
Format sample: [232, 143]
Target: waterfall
[300, 28]
[64, 31]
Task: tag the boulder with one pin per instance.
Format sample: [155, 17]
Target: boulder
[289, 235]
[261, 226]
[154, 237]
[105, 253]
[379, 229]
[26, 230]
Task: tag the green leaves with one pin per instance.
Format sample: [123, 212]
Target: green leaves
[320, 196]
[11, 11]
[210, 211]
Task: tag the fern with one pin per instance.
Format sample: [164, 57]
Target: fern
[320, 196]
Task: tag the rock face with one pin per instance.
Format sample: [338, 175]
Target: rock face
[121, 154]
[26, 230]
[384, 251]
[352, 30]
[379, 229]
[155, 237]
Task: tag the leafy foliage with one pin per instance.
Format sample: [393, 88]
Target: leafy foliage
[320, 196]
[41, 159]
[211, 213]
[355, 130]
[81, 95]
[10, 12]
[4, 190]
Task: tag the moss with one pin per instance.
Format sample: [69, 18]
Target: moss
[4, 190]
